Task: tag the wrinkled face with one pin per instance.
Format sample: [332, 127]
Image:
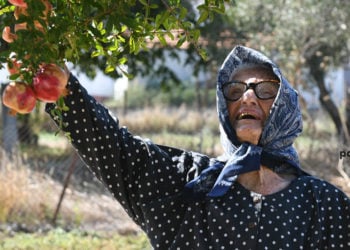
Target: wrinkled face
[249, 113]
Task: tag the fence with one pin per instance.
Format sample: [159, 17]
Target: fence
[49, 153]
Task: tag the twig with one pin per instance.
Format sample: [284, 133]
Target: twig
[66, 182]
[341, 171]
[345, 128]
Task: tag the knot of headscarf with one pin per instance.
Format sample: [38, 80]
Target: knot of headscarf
[245, 159]
[275, 149]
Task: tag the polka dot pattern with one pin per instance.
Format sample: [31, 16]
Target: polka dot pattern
[148, 180]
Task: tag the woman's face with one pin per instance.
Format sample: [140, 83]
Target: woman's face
[249, 113]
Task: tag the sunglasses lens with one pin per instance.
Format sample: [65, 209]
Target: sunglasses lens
[266, 90]
[234, 90]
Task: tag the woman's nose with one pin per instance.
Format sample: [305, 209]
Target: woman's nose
[249, 97]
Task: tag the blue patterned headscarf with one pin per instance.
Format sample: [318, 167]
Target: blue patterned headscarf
[275, 148]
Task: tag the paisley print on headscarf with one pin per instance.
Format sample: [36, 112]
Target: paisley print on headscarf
[275, 148]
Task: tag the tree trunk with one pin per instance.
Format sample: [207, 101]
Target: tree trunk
[198, 95]
[26, 134]
[9, 132]
[347, 95]
[319, 75]
[125, 102]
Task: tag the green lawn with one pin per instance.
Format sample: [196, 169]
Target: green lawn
[58, 239]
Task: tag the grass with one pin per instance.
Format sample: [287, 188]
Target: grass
[178, 127]
[59, 239]
[179, 120]
[11, 194]
[29, 198]
[204, 142]
[18, 204]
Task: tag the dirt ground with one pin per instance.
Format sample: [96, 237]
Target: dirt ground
[92, 211]
[101, 213]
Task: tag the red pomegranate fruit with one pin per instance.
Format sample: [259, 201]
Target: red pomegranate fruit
[19, 98]
[50, 83]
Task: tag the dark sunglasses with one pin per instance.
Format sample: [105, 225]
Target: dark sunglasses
[264, 90]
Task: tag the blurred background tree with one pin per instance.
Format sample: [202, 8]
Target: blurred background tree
[307, 38]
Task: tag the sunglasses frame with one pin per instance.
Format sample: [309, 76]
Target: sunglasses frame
[249, 85]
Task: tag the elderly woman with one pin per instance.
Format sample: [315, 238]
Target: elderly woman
[255, 196]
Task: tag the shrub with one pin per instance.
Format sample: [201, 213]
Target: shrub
[139, 96]
[12, 197]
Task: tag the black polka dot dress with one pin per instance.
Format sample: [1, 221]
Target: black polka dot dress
[148, 180]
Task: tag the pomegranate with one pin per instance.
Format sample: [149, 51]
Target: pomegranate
[50, 83]
[19, 97]
[19, 3]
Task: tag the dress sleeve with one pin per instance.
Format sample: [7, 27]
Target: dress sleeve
[134, 170]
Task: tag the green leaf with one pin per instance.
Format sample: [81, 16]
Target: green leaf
[183, 13]
[181, 41]
[121, 39]
[203, 16]
[154, 6]
[174, 2]
[109, 68]
[143, 2]
[132, 44]
[100, 26]
[203, 53]
[112, 48]
[162, 39]
[195, 34]
[161, 19]
[95, 53]
[170, 35]
[124, 28]
[7, 9]
[122, 60]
